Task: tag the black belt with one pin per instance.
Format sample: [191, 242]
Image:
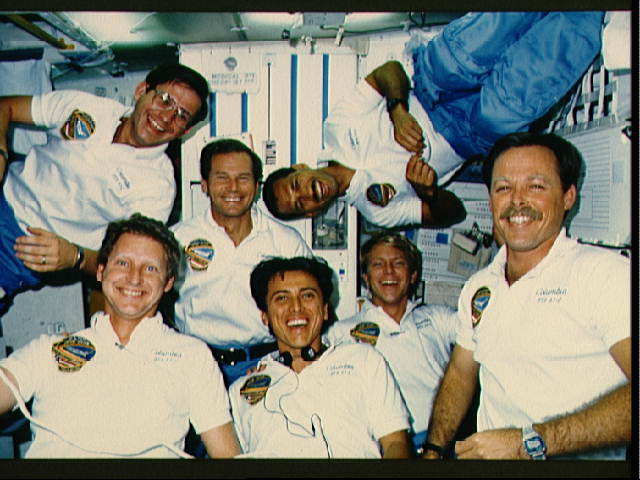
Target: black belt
[242, 354]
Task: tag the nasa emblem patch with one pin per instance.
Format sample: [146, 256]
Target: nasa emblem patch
[79, 126]
[200, 253]
[255, 388]
[381, 193]
[71, 353]
[479, 302]
[367, 332]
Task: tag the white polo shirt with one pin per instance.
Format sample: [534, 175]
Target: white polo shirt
[359, 134]
[126, 398]
[417, 349]
[79, 181]
[215, 301]
[543, 342]
[338, 406]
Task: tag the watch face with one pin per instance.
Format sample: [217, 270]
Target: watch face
[534, 445]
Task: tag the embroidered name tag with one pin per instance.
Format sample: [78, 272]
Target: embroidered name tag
[381, 193]
[479, 302]
[255, 388]
[71, 353]
[367, 332]
[79, 126]
[200, 253]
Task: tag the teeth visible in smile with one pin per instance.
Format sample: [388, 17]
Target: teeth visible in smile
[231, 199]
[389, 282]
[317, 190]
[156, 125]
[297, 322]
[131, 293]
[519, 219]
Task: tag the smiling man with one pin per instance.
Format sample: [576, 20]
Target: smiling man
[390, 148]
[102, 161]
[414, 338]
[310, 400]
[221, 246]
[128, 386]
[546, 325]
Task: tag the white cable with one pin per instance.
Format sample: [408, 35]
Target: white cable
[315, 427]
[27, 414]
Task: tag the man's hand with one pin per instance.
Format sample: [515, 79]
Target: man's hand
[421, 177]
[406, 130]
[44, 251]
[505, 443]
[430, 455]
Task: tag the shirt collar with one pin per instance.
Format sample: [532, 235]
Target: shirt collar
[144, 332]
[368, 305]
[561, 244]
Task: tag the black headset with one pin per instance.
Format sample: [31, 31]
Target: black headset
[308, 354]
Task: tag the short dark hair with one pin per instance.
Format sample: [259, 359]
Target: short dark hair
[269, 194]
[402, 243]
[267, 269]
[176, 72]
[228, 145]
[138, 224]
[568, 158]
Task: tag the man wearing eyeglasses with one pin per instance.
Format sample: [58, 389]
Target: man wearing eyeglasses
[102, 161]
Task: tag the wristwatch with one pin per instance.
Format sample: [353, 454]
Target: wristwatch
[533, 443]
[393, 102]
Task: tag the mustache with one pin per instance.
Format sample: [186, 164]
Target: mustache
[525, 211]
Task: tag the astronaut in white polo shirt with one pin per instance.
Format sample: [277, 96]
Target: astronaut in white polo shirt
[310, 400]
[128, 386]
[102, 161]
[222, 245]
[415, 339]
[546, 325]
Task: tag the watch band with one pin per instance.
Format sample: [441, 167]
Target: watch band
[435, 448]
[394, 102]
[79, 256]
[533, 443]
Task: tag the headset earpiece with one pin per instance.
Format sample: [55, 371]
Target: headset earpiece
[286, 359]
[308, 354]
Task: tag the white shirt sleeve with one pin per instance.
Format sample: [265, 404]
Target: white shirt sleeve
[209, 400]
[385, 407]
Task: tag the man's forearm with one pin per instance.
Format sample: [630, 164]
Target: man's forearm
[444, 210]
[605, 423]
[390, 80]
[450, 406]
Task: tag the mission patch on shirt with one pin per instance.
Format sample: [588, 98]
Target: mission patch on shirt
[200, 253]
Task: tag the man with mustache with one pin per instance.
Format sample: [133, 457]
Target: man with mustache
[546, 325]
[390, 148]
[102, 161]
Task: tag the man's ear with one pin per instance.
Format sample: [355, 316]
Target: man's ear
[99, 272]
[205, 186]
[365, 279]
[169, 284]
[140, 90]
[570, 198]
[265, 318]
